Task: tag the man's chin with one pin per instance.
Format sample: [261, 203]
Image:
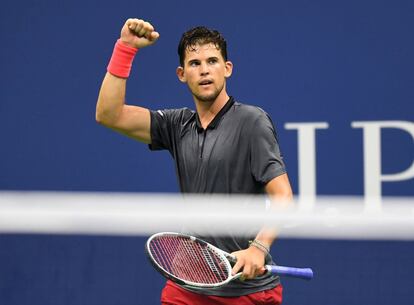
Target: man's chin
[207, 98]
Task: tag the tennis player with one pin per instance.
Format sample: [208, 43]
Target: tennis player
[223, 147]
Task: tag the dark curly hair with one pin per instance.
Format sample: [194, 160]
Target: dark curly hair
[201, 35]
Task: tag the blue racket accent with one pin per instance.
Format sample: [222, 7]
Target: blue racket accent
[304, 273]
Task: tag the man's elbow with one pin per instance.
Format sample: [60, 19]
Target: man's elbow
[279, 189]
[102, 118]
[283, 195]
[99, 118]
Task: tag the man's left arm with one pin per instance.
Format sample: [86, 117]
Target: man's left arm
[252, 259]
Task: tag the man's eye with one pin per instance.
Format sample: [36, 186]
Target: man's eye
[193, 64]
[212, 61]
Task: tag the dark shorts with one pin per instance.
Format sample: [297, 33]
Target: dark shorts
[172, 294]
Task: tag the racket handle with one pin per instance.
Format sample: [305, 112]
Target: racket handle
[303, 273]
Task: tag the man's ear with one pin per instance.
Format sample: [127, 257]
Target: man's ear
[229, 69]
[180, 74]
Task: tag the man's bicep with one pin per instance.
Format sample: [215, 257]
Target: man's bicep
[134, 122]
[279, 188]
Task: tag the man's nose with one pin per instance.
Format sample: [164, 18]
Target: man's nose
[204, 69]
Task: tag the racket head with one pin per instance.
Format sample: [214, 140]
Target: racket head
[188, 260]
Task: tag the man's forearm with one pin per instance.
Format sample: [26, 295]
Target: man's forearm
[111, 99]
[266, 237]
[280, 195]
[110, 107]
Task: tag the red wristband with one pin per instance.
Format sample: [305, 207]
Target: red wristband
[121, 60]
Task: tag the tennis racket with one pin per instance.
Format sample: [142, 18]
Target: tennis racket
[188, 260]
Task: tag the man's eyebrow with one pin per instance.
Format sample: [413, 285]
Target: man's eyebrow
[193, 61]
[198, 60]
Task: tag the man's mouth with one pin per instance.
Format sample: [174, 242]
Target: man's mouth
[205, 82]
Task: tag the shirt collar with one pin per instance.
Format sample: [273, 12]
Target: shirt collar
[213, 124]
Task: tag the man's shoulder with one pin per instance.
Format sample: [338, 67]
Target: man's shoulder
[176, 114]
[248, 111]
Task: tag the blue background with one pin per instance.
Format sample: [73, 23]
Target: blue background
[302, 61]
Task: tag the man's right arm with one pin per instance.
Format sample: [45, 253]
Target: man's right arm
[111, 110]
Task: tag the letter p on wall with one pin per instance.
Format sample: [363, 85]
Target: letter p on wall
[373, 176]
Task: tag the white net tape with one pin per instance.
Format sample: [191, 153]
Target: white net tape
[143, 214]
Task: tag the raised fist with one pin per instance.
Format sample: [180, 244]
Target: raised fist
[138, 33]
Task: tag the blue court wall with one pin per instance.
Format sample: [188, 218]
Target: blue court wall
[337, 64]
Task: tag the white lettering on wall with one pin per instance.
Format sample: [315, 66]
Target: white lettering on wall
[307, 159]
[373, 176]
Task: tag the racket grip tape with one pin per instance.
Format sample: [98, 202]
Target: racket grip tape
[303, 273]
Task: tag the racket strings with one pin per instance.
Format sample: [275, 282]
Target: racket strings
[189, 260]
[170, 255]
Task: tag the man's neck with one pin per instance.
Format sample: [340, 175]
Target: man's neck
[208, 110]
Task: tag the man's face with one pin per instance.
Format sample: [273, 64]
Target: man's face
[205, 72]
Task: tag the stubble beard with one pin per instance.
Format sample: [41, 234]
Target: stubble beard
[208, 98]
